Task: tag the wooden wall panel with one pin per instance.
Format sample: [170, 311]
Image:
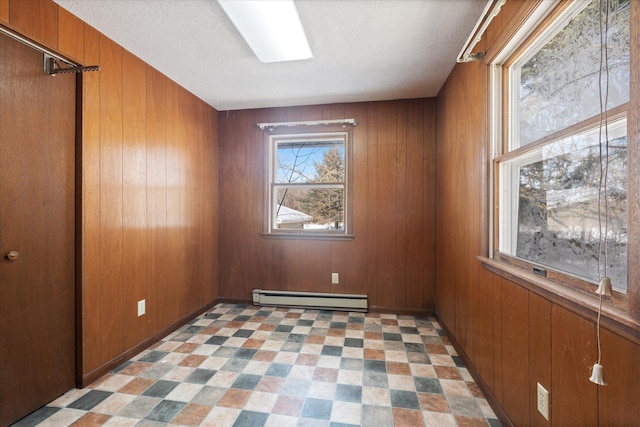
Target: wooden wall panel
[36, 19]
[236, 160]
[71, 36]
[481, 348]
[373, 226]
[90, 217]
[386, 173]
[111, 186]
[495, 381]
[185, 256]
[515, 353]
[210, 186]
[4, 11]
[460, 201]
[573, 397]
[618, 401]
[429, 123]
[445, 178]
[195, 150]
[135, 250]
[157, 189]
[539, 354]
[417, 225]
[186, 222]
[400, 204]
[174, 277]
[389, 257]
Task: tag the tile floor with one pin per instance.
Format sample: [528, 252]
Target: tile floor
[247, 366]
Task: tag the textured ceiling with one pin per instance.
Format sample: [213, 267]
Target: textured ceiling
[364, 50]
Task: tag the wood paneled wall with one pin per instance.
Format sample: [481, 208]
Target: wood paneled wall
[149, 191]
[149, 218]
[47, 24]
[391, 258]
[512, 336]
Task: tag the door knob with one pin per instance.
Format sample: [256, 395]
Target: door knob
[12, 255]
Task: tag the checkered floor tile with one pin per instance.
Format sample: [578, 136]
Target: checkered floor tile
[247, 366]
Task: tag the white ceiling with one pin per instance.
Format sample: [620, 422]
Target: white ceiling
[364, 50]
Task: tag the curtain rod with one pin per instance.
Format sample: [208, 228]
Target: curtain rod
[343, 122]
[487, 16]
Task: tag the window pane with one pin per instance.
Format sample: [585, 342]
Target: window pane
[559, 83]
[316, 208]
[310, 161]
[558, 222]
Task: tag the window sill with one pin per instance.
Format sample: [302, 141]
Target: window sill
[581, 303]
[307, 236]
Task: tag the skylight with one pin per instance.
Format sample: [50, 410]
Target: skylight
[272, 29]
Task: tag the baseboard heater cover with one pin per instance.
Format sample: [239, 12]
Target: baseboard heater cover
[343, 302]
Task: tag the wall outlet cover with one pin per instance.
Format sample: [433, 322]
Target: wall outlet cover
[141, 307]
[543, 401]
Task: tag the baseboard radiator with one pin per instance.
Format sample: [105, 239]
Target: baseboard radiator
[343, 302]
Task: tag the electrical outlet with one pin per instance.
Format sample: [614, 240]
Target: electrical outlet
[543, 402]
[335, 279]
[141, 307]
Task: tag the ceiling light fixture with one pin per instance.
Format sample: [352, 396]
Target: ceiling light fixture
[271, 28]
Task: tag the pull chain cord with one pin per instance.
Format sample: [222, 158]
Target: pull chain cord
[604, 164]
[597, 375]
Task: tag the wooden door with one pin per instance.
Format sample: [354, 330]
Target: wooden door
[37, 183]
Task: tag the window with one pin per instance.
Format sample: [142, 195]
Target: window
[552, 207]
[308, 191]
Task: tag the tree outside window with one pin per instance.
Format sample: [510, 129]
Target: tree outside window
[308, 183]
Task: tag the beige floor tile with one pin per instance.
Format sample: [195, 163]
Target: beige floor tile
[346, 413]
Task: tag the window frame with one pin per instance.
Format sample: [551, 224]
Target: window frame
[505, 112]
[302, 132]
